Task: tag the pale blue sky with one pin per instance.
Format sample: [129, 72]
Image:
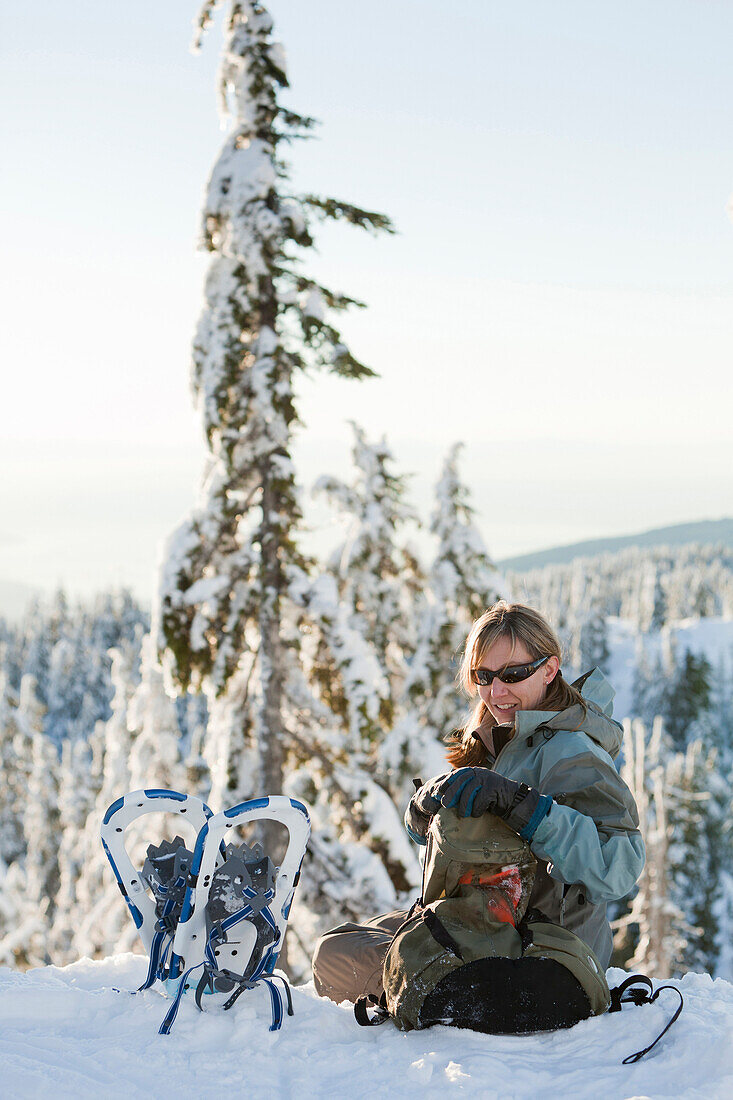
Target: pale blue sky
[559, 295]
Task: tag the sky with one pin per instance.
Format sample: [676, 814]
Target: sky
[558, 295]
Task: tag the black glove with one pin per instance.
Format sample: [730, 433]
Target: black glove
[422, 806]
[472, 792]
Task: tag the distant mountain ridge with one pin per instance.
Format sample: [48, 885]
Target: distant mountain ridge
[704, 531]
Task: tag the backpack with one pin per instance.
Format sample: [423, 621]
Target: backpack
[472, 954]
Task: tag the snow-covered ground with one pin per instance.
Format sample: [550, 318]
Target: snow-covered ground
[65, 1032]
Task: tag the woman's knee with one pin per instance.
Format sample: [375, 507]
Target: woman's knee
[348, 960]
[333, 976]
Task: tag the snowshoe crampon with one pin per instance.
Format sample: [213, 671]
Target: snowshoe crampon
[213, 919]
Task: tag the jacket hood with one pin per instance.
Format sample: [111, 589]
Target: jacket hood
[597, 723]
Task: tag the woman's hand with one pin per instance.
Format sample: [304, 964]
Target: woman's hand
[422, 806]
[472, 792]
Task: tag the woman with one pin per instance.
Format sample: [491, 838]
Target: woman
[539, 753]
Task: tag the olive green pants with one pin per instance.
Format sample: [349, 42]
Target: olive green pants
[348, 960]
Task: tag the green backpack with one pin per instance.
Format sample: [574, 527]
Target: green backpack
[462, 956]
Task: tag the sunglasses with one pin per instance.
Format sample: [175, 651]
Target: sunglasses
[484, 677]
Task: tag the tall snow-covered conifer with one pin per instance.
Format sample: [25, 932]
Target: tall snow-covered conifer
[377, 575]
[462, 582]
[224, 588]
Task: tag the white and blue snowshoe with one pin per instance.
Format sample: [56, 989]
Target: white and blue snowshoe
[154, 894]
[220, 912]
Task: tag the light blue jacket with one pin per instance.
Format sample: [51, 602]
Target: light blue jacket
[589, 848]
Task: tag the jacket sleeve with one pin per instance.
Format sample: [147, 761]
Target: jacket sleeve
[591, 834]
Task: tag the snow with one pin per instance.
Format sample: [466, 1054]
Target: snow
[67, 1032]
[315, 305]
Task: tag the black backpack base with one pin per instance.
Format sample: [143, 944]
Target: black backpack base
[500, 996]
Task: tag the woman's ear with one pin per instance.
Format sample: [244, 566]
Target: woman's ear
[551, 669]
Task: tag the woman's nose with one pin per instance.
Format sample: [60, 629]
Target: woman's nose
[498, 689]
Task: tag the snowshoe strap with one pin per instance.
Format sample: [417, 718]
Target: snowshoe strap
[172, 1012]
[155, 950]
[205, 984]
[286, 987]
[276, 1003]
[627, 994]
[165, 929]
[380, 1010]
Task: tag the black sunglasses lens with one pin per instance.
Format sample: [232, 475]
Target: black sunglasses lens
[522, 672]
[516, 675]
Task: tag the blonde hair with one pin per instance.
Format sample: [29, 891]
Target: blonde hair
[524, 626]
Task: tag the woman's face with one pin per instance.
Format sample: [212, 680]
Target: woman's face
[504, 700]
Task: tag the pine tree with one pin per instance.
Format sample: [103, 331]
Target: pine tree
[342, 667]
[593, 645]
[104, 925]
[224, 590]
[377, 576]
[41, 827]
[688, 697]
[14, 758]
[462, 582]
[721, 712]
[697, 812]
[661, 929]
[652, 598]
[649, 686]
[155, 759]
[75, 803]
[683, 807]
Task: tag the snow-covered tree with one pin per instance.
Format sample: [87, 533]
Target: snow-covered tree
[342, 667]
[41, 827]
[652, 599]
[462, 582]
[224, 586]
[14, 762]
[104, 924]
[76, 798]
[155, 758]
[649, 689]
[699, 803]
[688, 697]
[661, 930]
[684, 807]
[376, 573]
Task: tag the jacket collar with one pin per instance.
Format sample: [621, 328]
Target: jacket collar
[597, 723]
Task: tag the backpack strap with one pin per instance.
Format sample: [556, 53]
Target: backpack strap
[627, 994]
[380, 1010]
[440, 933]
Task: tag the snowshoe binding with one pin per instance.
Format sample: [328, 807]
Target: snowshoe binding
[246, 878]
[166, 873]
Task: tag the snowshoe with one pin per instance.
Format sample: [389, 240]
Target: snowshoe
[163, 868]
[220, 912]
[236, 908]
